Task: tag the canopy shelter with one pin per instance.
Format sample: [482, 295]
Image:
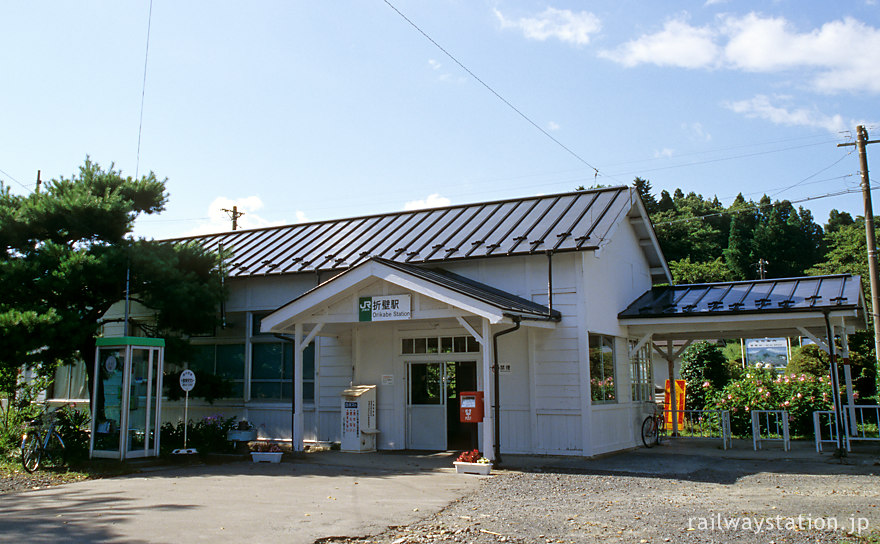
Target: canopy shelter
[819, 307]
[340, 304]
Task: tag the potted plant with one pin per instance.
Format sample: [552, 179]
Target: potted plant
[266, 453]
[472, 462]
[243, 432]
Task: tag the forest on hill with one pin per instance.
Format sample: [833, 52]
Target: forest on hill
[704, 241]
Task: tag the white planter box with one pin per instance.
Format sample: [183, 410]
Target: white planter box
[236, 435]
[266, 456]
[482, 469]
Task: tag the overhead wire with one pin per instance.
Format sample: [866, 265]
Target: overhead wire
[491, 90]
[16, 181]
[143, 92]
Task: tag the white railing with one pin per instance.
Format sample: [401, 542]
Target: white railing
[770, 426]
[825, 424]
[713, 424]
[867, 422]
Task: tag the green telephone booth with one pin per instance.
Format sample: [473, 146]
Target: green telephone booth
[127, 397]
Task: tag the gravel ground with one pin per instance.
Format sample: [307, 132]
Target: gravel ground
[574, 508]
[14, 479]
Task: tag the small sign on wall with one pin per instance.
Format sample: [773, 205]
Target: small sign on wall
[384, 308]
[387, 379]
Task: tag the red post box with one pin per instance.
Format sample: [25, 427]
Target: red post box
[471, 406]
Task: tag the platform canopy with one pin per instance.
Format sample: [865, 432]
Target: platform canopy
[749, 309]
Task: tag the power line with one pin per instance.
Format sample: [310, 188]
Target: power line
[813, 175]
[16, 181]
[758, 207]
[143, 92]
[491, 90]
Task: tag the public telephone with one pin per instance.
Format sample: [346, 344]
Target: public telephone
[471, 406]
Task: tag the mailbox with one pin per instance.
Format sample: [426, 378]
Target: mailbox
[471, 406]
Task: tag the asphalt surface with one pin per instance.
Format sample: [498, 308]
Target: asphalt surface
[333, 494]
[296, 502]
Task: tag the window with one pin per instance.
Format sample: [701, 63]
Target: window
[602, 369]
[223, 360]
[441, 344]
[272, 371]
[70, 382]
[641, 377]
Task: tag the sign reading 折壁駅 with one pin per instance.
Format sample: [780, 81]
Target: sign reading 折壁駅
[384, 308]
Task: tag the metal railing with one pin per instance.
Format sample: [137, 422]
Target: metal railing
[711, 424]
[770, 426]
[825, 424]
[867, 422]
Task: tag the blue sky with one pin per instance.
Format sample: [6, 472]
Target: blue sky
[301, 111]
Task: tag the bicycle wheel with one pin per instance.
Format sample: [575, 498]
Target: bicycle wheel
[660, 427]
[31, 452]
[649, 432]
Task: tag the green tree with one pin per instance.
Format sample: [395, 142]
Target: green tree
[704, 369]
[685, 271]
[67, 250]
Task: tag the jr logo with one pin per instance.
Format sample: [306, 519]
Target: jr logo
[365, 309]
[366, 304]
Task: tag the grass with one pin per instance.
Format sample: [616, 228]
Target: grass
[10, 468]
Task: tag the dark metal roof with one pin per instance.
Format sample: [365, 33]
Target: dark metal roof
[813, 293]
[506, 302]
[575, 221]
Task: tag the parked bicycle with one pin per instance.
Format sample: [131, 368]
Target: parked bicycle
[41, 442]
[653, 428]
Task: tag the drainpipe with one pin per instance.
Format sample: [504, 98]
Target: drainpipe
[497, 389]
[835, 391]
[550, 280]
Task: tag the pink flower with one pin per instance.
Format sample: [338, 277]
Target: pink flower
[729, 397]
[800, 396]
[705, 384]
[786, 403]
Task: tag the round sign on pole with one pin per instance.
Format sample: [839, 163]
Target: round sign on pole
[187, 380]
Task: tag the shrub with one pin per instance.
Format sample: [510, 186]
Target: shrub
[800, 394]
[207, 435]
[702, 363]
[73, 426]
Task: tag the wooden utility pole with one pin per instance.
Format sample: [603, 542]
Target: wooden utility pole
[860, 143]
[234, 214]
[39, 181]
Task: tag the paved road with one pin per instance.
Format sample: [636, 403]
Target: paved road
[239, 502]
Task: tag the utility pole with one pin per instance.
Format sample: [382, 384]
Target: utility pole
[762, 268]
[234, 214]
[39, 181]
[860, 143]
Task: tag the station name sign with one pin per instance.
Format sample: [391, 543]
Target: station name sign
[384, 308]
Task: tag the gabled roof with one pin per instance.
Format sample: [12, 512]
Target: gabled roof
[806, 294]
[457, 291]
[577, 221]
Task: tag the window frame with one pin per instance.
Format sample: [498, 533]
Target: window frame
[594, 381]
[641, 373]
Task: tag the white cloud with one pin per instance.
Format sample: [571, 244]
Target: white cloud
[433, 201]
[220, 220]
[553, 126]
[664, 153]
[678, 44]
[763, 107]
[434, 64]
[697, 131]
[840, 55]
[562, 24]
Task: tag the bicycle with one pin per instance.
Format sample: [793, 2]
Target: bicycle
[41, 441]
[653, 427]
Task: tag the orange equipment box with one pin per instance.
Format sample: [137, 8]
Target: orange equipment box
[471, 406]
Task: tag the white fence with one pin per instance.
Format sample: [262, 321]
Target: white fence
[770, 426]
[867, 422]
[825, 425]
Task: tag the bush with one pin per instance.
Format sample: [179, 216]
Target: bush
[206, 436]
[73, 426]
[702, 363]
[800, 394]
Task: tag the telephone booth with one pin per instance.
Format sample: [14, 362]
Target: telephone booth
[127, 397]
